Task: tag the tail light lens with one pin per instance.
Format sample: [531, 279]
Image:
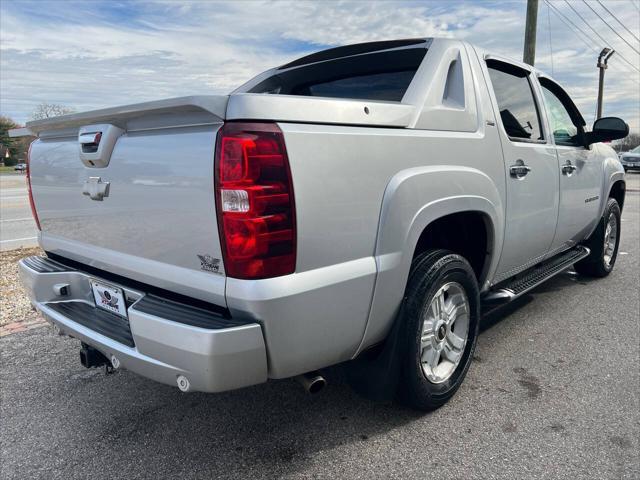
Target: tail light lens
[31, 204]
[254, 198]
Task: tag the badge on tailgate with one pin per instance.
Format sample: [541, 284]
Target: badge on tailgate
[109, 298]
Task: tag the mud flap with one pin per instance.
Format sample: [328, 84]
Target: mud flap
[376, 376]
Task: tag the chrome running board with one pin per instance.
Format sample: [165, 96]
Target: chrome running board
[531, 278]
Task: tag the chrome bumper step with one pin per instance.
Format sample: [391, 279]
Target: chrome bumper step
[529, 279]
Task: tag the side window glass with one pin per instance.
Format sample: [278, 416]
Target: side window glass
[516, 103]
[564, 130]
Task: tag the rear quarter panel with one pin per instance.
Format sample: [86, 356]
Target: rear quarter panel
[344, 179]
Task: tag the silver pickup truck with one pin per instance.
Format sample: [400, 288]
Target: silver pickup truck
[361, 205]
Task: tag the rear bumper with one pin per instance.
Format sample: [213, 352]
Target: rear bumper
[162, 339]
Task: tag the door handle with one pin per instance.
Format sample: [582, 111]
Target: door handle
[519, 170]
[568, 168]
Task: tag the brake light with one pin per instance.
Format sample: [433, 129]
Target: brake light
[31, 204]
[254, 199]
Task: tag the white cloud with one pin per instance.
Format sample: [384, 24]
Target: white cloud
[89, 55]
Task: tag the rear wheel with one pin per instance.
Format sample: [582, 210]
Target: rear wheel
[439, 328]
[603, 243]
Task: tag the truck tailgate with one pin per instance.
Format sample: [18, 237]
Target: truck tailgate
[156, 220]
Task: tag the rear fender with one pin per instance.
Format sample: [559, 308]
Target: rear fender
[413, 199]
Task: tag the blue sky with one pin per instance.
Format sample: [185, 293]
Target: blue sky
[92, 54]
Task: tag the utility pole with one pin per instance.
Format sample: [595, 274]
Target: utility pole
[604, 56]
[531, 26]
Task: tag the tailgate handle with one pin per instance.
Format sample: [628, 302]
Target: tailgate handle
[90, 141]
[96, 143]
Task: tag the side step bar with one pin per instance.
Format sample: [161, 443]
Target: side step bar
[530, 279]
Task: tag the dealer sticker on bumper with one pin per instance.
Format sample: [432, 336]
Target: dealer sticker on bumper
[109, 298]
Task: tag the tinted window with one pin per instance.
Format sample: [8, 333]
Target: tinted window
[564, 130]
[375, 76]
[515, 102]
[379, 86]
[350, 50]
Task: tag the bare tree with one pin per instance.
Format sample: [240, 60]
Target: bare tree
[630, 141]
[48, 110]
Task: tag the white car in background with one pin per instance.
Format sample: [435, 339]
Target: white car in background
[631, 159]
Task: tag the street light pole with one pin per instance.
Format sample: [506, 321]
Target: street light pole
[531, 26]
[604, 56]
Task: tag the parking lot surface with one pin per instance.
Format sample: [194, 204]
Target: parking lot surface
[554, 392]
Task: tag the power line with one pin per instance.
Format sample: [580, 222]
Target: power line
[567, 21]
[610, 27]
[579, 32]
[600, 36]
[587, 23]
[617, 20]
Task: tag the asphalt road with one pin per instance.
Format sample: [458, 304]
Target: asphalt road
[554, 392]
[17, 228]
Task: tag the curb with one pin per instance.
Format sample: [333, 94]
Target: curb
[23, 326]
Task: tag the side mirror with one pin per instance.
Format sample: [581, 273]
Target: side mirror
[606, 129]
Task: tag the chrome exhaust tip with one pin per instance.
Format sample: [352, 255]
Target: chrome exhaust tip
[312, 382]
[183, 383]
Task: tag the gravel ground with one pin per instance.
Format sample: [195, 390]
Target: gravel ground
[14, 303]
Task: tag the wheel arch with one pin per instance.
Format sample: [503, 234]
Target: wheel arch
[469, 233]
[416, 201]
[614, 183]
[617, 191]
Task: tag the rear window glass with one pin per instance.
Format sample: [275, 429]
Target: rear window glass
[376, 76]
[518, 109]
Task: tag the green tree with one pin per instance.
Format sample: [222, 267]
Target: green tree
[7, 142]
[17, 147]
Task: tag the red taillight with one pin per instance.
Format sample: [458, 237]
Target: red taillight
[254, 198]
[31, 204]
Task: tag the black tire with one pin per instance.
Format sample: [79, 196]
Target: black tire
[430, 271]
[594, 265]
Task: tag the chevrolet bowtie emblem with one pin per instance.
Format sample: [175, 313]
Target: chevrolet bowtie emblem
[95, 188]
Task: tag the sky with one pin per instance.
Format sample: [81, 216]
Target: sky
[91, 54]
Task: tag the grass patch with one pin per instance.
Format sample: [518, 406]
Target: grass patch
[9, 170]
